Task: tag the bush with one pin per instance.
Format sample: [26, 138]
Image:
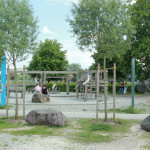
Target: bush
[129, 86]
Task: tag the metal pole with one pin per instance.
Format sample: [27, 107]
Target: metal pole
[3, 81]
[133, 80]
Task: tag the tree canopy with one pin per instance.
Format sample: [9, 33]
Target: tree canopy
[74, 67]
[141, 43]
[123, 65]
[104, 26]
[18, 29]
[49, 57]
[18, 32]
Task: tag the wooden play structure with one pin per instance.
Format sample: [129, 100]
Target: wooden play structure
[88, 83]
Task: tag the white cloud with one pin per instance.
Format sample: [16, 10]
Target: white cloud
[74, 55]
[45, 30]
[83, 58]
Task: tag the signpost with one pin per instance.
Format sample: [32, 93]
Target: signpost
[3, 81]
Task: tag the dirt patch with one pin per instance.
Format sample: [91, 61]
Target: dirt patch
[109, 122]
[18, 121]
[19, 129]
[74, 123]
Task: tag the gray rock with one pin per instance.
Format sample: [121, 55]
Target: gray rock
[47, 98]
[40, 98]
[46, 117]
[145, 124]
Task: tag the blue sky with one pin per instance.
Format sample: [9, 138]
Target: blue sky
[52, 16]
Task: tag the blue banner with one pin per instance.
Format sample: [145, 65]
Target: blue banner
[3, 81]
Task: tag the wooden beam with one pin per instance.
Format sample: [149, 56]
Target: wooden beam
[56, 77]
[61, 72]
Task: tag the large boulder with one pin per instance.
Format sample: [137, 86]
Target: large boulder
[40, 98]
[46, 117]
[145, 124]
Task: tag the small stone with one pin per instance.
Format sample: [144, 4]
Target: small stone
[46, 117]
[145, 124]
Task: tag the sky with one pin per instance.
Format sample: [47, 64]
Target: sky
[52, 15]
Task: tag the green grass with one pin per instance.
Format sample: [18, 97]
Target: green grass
[84, 130]
[147, 136]
[128, 110]
[37, 130]
[6, 125]
[99, 131]
[91, 137]
[4, 107]
[100, 127]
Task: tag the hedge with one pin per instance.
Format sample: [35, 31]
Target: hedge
[72, 85]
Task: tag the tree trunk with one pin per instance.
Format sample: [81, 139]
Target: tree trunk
[105, 88]
[16, 113]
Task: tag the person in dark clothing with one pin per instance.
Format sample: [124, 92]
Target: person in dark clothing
[45, 90]
[121, 88]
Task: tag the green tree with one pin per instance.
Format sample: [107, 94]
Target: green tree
[49, 57]
[74, 67]
[123, 65]
[141, 42]
[18, 32]
[18, 29]
[104, 26]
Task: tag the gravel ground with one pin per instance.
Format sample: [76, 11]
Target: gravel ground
[75, 108]
[130, 141]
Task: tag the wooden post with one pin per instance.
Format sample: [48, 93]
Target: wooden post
[77, 91]
[8, 76]
[67, 86]
[114, 92]
[105, 89]
[16, 89]
[86, 88]
[41, 80]
[91, 85]
[97, 90]
[44, 77]
[86, 93]
[24, 91]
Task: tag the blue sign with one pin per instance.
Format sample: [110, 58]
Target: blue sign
[3, 81]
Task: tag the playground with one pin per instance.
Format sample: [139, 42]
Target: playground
[81, 105]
